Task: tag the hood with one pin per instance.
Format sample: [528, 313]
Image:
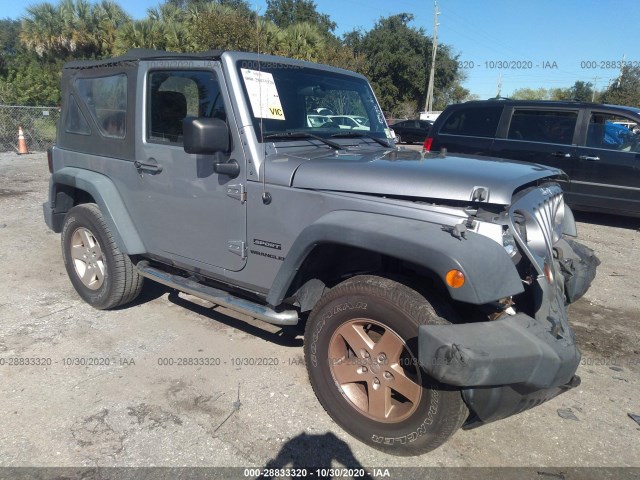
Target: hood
[407, 173]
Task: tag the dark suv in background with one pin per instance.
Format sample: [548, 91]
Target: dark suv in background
[597, 146]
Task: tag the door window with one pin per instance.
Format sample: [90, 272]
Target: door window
[546, 126]
[174, 95]
[613, 132]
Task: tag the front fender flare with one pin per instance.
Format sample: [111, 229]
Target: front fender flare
[108, 199]
[490, 274]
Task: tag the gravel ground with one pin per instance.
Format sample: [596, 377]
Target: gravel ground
[129, 410]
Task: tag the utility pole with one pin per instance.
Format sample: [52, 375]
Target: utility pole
[429, 103]
[595, 88]
[499, 89]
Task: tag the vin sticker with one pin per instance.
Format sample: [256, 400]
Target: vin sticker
[263, 94]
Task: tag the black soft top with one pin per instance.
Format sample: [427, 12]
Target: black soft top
[135, 55]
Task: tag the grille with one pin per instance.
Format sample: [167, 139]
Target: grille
[548, 215]
[541, 213]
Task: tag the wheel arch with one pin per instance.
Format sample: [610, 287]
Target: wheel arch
[72, 186]
[425, 245]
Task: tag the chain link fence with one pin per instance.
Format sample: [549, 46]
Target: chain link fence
[38, 125]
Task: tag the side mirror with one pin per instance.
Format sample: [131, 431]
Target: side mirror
[205, 135]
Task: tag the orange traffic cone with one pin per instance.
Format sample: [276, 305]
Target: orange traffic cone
[22, 144]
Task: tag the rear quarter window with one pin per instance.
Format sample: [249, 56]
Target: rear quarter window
[106, 100]
[474, 122]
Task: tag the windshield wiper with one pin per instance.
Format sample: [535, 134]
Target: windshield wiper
[360, 134]
[301, 135]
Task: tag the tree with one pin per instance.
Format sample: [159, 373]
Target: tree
[74, 28]
[530, 94]
[9, 41]
[238, 5]
[455, 93]
[31, 80]
[303, 41]
[144, 33]
[582, 91]
[625, 90]
[223, 27]
[396, 62]
[285, 13]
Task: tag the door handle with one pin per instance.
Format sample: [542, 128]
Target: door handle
[561, 154]
[589, 158]
[150, 166]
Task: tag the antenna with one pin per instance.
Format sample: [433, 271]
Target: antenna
[266, 196]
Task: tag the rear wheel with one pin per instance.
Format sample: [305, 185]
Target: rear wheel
[398, 139]
[361, 354]
[102, 275]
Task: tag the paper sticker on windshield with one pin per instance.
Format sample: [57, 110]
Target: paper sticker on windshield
[263, 94]
[387, 132]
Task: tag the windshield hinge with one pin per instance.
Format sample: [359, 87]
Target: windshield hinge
[239, 247]
[238, 192]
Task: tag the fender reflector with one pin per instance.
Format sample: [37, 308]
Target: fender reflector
[548, 273]
[455, 278]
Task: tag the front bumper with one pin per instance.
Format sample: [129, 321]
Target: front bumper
[515, 350]
[517, 362]
[505, 366]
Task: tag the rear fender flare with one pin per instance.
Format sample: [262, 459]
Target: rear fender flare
[108, 199]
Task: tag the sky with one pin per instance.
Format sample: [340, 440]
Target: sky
[544, 43]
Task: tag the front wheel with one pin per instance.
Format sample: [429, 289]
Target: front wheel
[361, 354]
[398, 139]
[102, 275]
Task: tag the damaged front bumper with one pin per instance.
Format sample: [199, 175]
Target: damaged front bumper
[517, 362]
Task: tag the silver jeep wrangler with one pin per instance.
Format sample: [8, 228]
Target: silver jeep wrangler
[433, 288]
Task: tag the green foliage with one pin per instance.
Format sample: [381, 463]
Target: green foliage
[393, 53]
[224, 28]
[530, 94]
[9, 31]
[582, 91]
[396, 56]
[31, 80]
[625, 90]
[72, 28]
[285, 13]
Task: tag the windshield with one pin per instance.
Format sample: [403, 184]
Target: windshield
[286, 98]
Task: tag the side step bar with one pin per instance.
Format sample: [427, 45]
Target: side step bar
[219, 297]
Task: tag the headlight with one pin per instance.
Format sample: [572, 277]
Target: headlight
[558, 221]
[509, 243]
[498, 233]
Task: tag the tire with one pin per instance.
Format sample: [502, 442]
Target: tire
[102, 275]
[398, 139]
[421, 414]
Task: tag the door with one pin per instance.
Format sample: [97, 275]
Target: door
[607, 173]
[187, 212]
[541, 135]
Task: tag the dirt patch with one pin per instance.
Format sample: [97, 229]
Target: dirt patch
[6, 193]
[606, 333]
[153, 416]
